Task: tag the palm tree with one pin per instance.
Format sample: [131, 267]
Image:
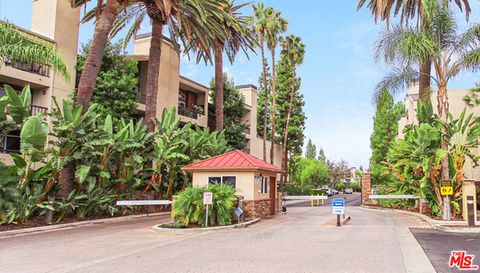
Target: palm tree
[106, 15]
[259, 23]
[235, 35]
[450, 54]
[186, 21]
[275, 26]
[294, 49]
[17, 46]
[408, 10]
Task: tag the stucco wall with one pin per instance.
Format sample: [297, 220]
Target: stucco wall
[244, 183]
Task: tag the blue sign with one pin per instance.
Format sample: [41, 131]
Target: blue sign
[338, 206]
[239, 211]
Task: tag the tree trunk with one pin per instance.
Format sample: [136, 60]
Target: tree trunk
[424, 83]
[66, 180]
[285, 138]
[93, 63]
[274, 105]
[153, 71]
[219, 88]
[265, 106]
[442, 100]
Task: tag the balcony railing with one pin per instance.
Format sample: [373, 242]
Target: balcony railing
[36, 109]
[35, 68]
[187, 112]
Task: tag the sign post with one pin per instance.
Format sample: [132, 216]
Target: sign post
[446, 189]
[207, 200]
[338, 208]
[239, 213]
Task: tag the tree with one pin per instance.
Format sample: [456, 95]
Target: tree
[259, 24]
[261, 101]
[235, 110]
[408, 10]
[186, 20]
[321, 155]
[105, 15]
[385, 128]
[309, 173]
[294, 51]
[311, 150]
[18, 47]
[450, 53]
[275, 26]
[115, 91]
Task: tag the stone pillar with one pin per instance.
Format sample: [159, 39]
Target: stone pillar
[366, 182]
[469, 189]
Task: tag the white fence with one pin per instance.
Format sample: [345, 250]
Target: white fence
[407, 196]
[305, 197]
[143, 202]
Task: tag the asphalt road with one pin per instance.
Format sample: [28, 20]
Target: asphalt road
[352, 200]
[438, 245]
[303, 240]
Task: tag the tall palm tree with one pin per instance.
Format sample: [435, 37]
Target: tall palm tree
[275, 26]
[16, 46]
[408, 10]
[106, 13]
[235, 35]
[294, 49]
[259, 24]
[450, 54]
[186, 20]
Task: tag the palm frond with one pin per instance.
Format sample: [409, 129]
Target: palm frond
[397, 80]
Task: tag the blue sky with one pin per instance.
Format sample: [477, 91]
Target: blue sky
[338, 74]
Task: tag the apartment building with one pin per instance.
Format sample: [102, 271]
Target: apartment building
[54, 22]
[456, 107]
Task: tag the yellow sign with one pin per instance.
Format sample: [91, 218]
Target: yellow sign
[446, 187]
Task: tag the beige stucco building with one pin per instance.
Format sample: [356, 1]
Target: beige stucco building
[54, 22]
[456, 107]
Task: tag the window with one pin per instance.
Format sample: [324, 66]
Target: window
[10, 143]
[265, 184]
[223, 180]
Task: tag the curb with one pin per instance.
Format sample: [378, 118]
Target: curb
[158, 228]
[54, 227]
[435, 224]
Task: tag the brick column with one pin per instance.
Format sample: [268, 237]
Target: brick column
[366, 182]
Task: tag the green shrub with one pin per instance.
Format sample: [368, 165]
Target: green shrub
[189, 208]
[340, 186]
[356, 186]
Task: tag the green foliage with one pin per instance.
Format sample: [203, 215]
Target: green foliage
[261, 100]
[20, 47]
[285, 79]
[189, 208]
[311, 150]
[308, 173]
[356, 186]
[234, 110]
[321, 155]
[340, 186]
[18, 106]
[116, 86]
[8, 189]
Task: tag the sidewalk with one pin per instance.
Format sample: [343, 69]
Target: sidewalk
[441, 225]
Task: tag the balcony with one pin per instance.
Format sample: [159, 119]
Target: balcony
[36, 109]
[188, 112]
[35, 68]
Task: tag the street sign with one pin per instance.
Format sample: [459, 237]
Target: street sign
[207, 198]
[446, 187]
[338, 206]
[239, 211]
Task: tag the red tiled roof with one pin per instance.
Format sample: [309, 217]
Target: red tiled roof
[235, 159]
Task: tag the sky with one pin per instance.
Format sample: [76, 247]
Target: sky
[338, 73]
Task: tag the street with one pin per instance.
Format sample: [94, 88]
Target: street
[303, 240]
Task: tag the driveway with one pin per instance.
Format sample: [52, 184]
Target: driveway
[303, 240]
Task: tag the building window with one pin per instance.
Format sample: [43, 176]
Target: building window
[223, 180]
[265, 184]
[10, 143]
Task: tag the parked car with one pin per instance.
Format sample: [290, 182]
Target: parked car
[335, 191]
[348, 191]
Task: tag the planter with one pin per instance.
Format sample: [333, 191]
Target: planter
[183, 229]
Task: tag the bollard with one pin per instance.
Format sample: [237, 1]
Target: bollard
[318, 200]
[311, 201]
[323, 201]
[470, 211]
